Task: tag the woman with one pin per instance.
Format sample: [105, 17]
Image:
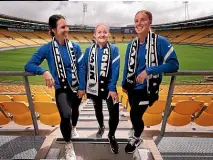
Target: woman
[102, 63]
[66, 75]
[147, 57]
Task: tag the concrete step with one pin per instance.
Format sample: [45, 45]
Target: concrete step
[82, 112]
[97, 150]
[104, 109]
[94, 124]
[93, 118]
[91, 114]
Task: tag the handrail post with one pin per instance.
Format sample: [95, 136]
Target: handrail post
[168, 104]
[30, 100]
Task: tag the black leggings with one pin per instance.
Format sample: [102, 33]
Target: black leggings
[138, 101]
[68, 107]
[113, 113]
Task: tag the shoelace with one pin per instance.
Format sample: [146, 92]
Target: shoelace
[74, 132]
[100, 130]
[67, 151]
[132, 141]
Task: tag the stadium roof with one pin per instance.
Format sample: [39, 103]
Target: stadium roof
[15, 22]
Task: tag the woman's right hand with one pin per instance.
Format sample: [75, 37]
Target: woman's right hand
[50, 82]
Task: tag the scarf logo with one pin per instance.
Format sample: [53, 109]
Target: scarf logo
[104, 64]
[132, 62]
[92, 75]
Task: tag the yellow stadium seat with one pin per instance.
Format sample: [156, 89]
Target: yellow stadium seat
[5, 98]
[182, 112]
[188, 107]
[43, 98]
[20, 98]
[128, 107]
[162, 97]
[45, 107]
[124, 100]
[157, 107]
[39, 93]
[206, 99]
[19, 110]
[48, 112]
[205, 119]
[50, 119]
[52, 94]
[3, 120]
[152, 119]
[15, 108]
[176, 119]
[176, 99]
[209, 109]
[23, 119]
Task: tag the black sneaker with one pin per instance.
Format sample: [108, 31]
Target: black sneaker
[132, 144]
[100, 132]
[113, 144]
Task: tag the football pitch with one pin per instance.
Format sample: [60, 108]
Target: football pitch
[190, 58]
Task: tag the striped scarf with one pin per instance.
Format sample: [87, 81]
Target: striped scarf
[60, 66]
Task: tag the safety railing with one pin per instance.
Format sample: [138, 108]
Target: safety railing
[168, 101]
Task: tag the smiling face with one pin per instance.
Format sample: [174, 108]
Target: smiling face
[101, 33]
[61, 31]
[142, 23]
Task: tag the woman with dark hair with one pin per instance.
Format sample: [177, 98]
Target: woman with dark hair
[147, 57]
[66, 75]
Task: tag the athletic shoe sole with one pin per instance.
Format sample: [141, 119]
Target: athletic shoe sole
[135, 148]
[111, 147]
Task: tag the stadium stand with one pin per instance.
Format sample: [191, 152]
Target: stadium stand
[184, 109]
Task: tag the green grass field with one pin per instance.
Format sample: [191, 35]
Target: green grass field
[190, 58]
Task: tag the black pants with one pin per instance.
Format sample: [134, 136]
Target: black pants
[113, 113]
[68, 107]
[138, 101]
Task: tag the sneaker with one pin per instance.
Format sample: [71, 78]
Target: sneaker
[69, 151]
[100, 132]
[132, 144]
[74, 133]
[113, 144]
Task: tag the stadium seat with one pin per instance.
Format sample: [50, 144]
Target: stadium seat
[157, 107]
[153, 114]
[19, 111]
[206, 117]
[4, 120]
[5, 98]
[23, 119]
[176, 119]
[43, 98]
[39, 93]
[20, 98]
[124, 100]
[206, 99]
[45, 107]
[182, 112]
[152, 119]
[48, 112]
[176, 99]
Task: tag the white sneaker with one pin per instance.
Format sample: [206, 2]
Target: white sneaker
[69, 151]
[74, 133]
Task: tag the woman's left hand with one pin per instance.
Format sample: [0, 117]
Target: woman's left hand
[114, 96]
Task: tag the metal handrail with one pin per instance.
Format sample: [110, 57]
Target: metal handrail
[168, 102]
